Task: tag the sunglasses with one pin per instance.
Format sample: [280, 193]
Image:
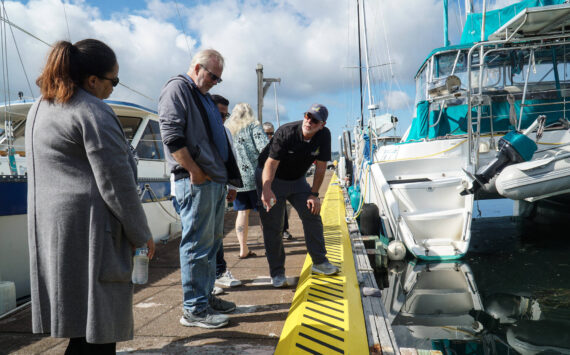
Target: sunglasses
[269, 133]
[225, 115]
[312, 119]
[114, 81]
[213, 76]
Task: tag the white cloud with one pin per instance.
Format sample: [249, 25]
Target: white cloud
[308, 44]
[396, 100]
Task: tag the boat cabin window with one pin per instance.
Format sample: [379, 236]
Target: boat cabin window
[543, 73]
[421, 85]
[446, 61]
[130, 126]
[150, 144]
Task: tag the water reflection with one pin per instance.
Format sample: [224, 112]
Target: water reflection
[509, 295]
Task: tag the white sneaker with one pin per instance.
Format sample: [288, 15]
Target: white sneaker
[325, 268]
[217, 291]
[227, 280]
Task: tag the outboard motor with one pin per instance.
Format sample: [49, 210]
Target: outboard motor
[513, 148]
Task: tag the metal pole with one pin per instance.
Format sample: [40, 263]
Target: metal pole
[276, 105]
[445, 25]
[483, 24]
[361, 122]
[259, 71]
[370, 98]
[468, 7]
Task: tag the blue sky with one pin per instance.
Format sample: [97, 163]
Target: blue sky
[310, 45]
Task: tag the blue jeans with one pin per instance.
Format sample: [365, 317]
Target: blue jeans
[202, 217]
[221, 265]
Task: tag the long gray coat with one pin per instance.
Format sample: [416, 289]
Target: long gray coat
[84, 217]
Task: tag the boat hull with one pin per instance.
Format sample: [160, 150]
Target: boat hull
[416, 188]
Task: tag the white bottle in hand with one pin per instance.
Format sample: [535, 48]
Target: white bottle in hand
[140, 268]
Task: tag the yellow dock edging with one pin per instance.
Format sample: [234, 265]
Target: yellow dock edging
[326, 314]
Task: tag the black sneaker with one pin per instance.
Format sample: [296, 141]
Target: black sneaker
[221, 305]
[207, 319]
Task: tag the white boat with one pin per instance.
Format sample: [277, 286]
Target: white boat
[472, 121]
[141, 129]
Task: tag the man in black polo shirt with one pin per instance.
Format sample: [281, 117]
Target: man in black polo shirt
[280, 176]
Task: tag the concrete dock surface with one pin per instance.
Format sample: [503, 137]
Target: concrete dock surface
[254, 328]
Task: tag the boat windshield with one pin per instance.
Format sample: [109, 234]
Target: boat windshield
[516, 85]
[444, 64]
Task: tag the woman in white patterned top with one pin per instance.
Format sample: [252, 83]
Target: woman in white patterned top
[249, 140]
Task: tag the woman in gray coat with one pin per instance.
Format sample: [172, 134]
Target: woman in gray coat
[84, 214]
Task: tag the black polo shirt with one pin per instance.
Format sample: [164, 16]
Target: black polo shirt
[294, 154]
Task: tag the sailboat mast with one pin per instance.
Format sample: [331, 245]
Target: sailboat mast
[361, 121]
[445, 24]
[371, 106]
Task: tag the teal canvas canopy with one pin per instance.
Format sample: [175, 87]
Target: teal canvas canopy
[497, 18]
[429, 123]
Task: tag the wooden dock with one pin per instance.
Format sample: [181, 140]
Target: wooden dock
[259, 320]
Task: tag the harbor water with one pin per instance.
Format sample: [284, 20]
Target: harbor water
[510, 294]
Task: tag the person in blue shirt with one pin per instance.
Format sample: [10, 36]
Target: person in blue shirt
[198, 155]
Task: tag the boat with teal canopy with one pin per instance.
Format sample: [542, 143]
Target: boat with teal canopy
[491, 122]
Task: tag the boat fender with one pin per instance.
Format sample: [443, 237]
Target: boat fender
[354, 195]
[370, 223]
[396, 250]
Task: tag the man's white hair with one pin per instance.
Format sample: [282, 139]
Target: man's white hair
[204, 56]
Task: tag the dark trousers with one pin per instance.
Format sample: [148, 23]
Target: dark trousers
[80, 346]
[285, 220]
[221, 265]
[296, 192]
